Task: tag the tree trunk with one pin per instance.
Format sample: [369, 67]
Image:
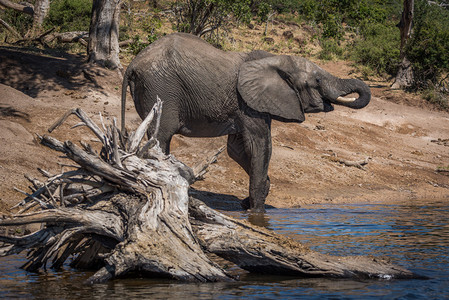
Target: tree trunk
[405, 25]
[41, 8]
[404, 77]
[103, 47]
[120, 212]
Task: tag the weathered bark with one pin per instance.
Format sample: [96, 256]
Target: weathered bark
[103, 47]
[68, 37]
[41, 8]
[405, 25]
[404, 77]
[128, 210]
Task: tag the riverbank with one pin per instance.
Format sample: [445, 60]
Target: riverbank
[399, 135]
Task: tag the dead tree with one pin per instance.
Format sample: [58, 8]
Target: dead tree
[68, 37]
[404, 77]
[41, 9]
[127, 209]
[103, 46]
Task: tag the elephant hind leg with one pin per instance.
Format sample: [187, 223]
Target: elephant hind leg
[164, 137]
[169, 125]
[164, 142]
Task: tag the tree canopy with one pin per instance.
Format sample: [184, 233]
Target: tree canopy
[364, 31]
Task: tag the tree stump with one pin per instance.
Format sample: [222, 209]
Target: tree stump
[103, 47]
[127, 209]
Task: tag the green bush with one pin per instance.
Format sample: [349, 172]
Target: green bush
[137, 45]
[436, 97]
[262, 11]
[150, 24]
[198, 16]
[330, 49]
[428, 48]
[332, 26]
[378, 48]
[69, 15]
[20, 21]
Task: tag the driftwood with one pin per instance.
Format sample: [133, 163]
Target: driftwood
[69, 37]
[127, 209]
[349, 163]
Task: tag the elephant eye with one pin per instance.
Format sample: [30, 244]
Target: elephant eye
[318, 80]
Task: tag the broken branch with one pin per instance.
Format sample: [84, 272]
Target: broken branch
[349, 163]
[25, 8]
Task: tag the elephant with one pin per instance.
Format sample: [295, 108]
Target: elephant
[208, 92]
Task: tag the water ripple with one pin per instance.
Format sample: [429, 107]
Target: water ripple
[415, 236]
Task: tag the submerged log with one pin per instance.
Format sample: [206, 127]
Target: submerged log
[127, 209]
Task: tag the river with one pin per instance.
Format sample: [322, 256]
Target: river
[414, 235]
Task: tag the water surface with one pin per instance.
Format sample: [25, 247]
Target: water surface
[415, 236]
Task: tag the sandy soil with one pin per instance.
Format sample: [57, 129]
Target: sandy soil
[398, 133]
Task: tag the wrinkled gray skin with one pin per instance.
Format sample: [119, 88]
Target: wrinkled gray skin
[207, 92]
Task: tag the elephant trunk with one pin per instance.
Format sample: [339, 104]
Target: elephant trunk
[349, 86]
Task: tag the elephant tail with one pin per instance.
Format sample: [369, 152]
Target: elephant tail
[124, 88]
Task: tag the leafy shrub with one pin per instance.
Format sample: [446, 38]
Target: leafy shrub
[202, 16]
[428, 48]
[282, 6]
[436, 97]
[123, 33]
[378, 48]
[69, 15]
[150, 24]
[137, 45]
[146, 26]
[332, 26]
[20, 21]
[329, 49]
[262, 11]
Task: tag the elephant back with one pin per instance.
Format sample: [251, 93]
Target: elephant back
[182, 66]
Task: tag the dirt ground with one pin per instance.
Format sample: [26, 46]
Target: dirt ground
[400, 135]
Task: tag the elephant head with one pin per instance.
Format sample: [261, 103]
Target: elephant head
[286, 87]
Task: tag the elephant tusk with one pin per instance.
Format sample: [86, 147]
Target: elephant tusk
[346, 99]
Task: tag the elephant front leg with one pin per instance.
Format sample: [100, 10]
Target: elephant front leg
[253, 154]
[259, 182]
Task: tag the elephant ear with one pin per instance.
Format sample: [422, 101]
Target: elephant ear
[265, 86]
